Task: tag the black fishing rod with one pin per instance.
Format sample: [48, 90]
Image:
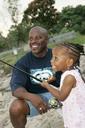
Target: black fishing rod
[21, 70]
[56, 104]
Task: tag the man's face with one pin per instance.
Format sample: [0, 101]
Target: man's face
[37, 41]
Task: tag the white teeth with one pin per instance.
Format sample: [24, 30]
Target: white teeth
[34, 46]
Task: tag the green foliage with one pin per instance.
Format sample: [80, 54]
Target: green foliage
[82, 29]
[73, 18]
[18, 32]
[12, 38]
[23, 30]
[3, 43]
[80, 39]
[41, 13]
[18, 35]
[44, 14]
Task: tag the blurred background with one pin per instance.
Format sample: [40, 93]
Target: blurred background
[64, 20]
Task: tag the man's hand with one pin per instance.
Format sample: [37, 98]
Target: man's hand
[35, 99]
[38, 102]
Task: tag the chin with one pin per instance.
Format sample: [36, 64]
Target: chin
[54, 69]
[34, 51]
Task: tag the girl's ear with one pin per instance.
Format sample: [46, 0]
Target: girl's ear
[70, 62]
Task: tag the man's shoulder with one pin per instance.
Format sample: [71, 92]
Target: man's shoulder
[24, 58]
[28, 54]
[49, 50]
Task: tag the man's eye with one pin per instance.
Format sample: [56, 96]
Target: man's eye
[30, 39]
[40, 37]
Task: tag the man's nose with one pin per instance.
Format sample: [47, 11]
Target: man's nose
[33, 40]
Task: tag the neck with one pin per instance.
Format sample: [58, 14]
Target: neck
[42, 53]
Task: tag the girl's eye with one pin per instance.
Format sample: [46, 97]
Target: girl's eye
[55, 58]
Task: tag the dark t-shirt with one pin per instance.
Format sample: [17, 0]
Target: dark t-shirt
[38, 67]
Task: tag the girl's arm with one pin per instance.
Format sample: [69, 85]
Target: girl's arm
[68, 83]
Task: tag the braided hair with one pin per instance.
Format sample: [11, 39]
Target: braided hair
[74, 51]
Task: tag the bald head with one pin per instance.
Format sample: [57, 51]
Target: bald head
[38, 39]
[40, 30]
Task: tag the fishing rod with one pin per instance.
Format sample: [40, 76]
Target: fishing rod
[53, 103]
[21, 70]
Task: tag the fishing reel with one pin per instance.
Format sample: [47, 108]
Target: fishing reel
[54, 103]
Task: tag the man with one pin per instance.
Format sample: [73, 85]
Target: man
[31, 97]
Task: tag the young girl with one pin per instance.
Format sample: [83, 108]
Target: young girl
[72, 87]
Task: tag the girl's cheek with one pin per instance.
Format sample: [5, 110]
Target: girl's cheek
[54, 68]
[52, 63]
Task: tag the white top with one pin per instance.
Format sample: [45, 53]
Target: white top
[74, 105]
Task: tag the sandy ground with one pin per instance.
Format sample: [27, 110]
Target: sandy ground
[51, 119]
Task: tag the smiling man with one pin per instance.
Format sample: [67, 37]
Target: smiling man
[31, 98]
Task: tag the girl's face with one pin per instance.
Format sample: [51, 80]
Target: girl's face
[60, 60]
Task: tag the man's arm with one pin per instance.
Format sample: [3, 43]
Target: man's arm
[35, 99]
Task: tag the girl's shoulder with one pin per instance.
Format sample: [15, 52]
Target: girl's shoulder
[71, 72]
[75, 73]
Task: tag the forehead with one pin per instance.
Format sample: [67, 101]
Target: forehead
[59, 50]
[36, 31]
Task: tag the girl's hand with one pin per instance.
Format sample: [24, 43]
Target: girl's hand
[44, 84]
[51, 79]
